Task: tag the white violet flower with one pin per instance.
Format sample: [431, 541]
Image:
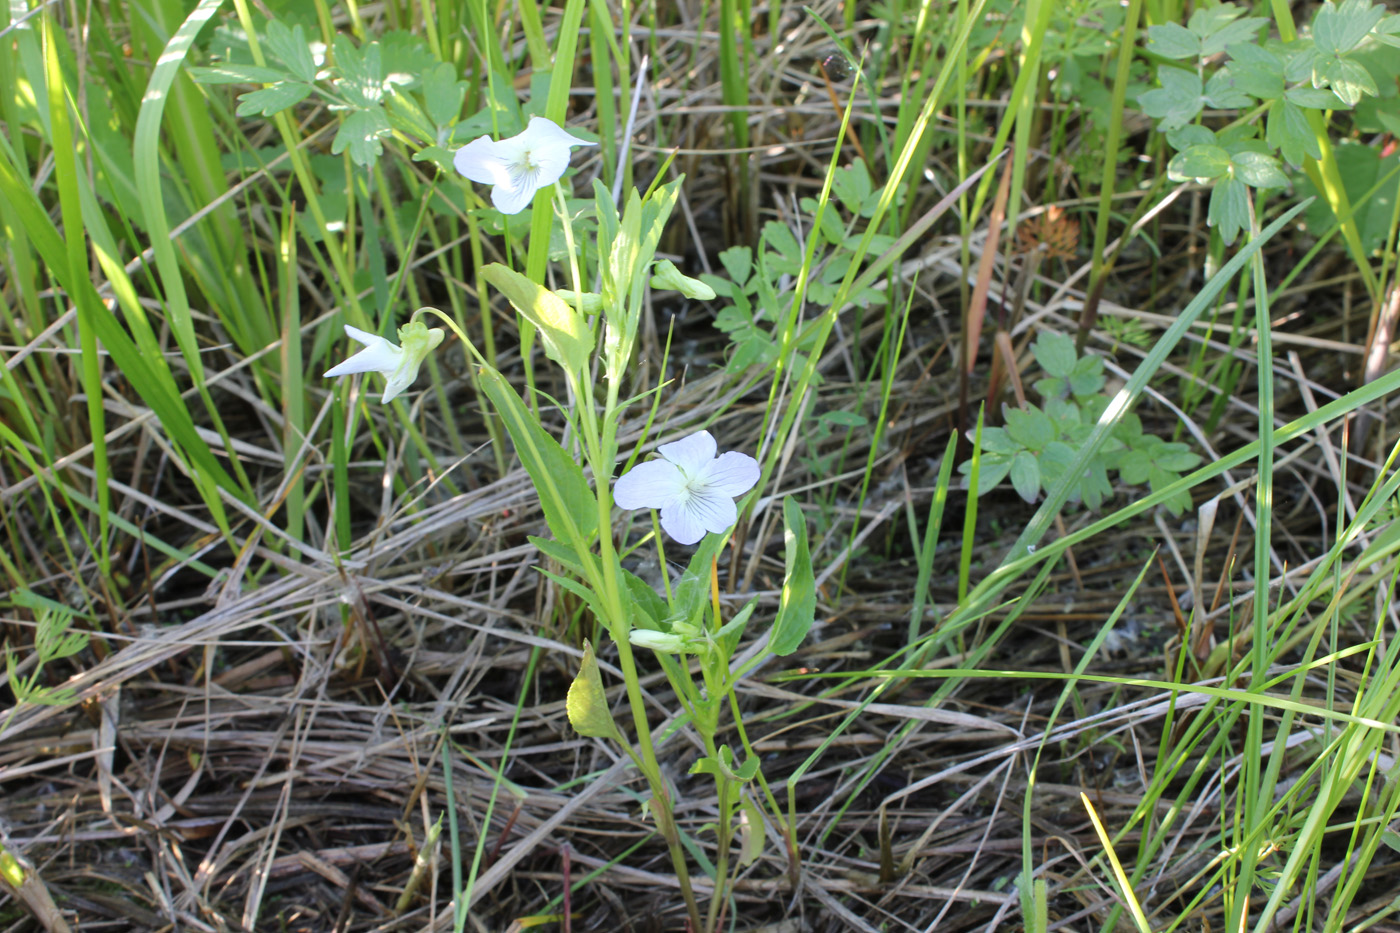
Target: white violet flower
[519, 166]
[692, 487]
[399, 364]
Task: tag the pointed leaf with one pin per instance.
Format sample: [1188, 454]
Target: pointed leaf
[567, 339]
[752, 832]
[587, 703]
[565, 496]
[798, 606]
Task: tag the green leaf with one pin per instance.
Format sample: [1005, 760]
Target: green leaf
[1314, 98]
[996, 440]
[1256, 71]
[798, 606]
[991, 472]
[1172, 40]
[587, 703]
[729, 634]
[752, 832]
[1350, 81]
[559, 552]
[1055, 353]
[1289, 132]
[567, 339]
[271, 100]
[1177, 101]
[289, 45]
[778, 237]
[228, 73]
[652, 607]
[851, 185]
[1242, 32]
[1199, 163]
[443, 94]
[568, 502]
[361, 72]
[1087, 376]
[1030, 427]
[1229, 208]
[738, 262]
[1339, 28]
[360, 134]
[1025, 476]
[1222, 93]
[1259, 171]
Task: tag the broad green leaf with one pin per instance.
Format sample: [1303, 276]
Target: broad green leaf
[1193, 134]
[1350, 81]
[798, 605]
[1199, 162]
[1229, 208]
[1242, 32]
[443, 94]
[568, 502]
[992, 471]
[1289, 132]
[1339, 28]
[729, 634]
[1256, 71]
[780, 238]
[995, 440]
[1025, 476]
[587, 703]
[567, 339]
[1314, 98]
[1222, 93]
[1029, 427]
[1055, 353]
[360, 134]
[1259, 171]
[290, 46]
[851, 185]
[1177, 101]
[1087, 376]
[1172, 40]
[361, 72]
[271, 100]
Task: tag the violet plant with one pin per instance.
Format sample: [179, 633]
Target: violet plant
[693, 490]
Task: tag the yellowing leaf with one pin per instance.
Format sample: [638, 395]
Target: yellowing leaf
[587, 704]
[567, 339]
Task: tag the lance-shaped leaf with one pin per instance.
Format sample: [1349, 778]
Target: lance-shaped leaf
[587, 704]
[798, 606]
[567, 339]
[565, 496]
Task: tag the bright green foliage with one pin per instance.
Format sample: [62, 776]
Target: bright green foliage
[797, 609]
[1366, 170]
[759, 287]
[567, 339]
[1273, 81]
[565, 495]
[52, 642]
[1036, 445]
[390, 84]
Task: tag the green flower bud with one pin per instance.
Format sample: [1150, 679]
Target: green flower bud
[656, 641]
[670, 278]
